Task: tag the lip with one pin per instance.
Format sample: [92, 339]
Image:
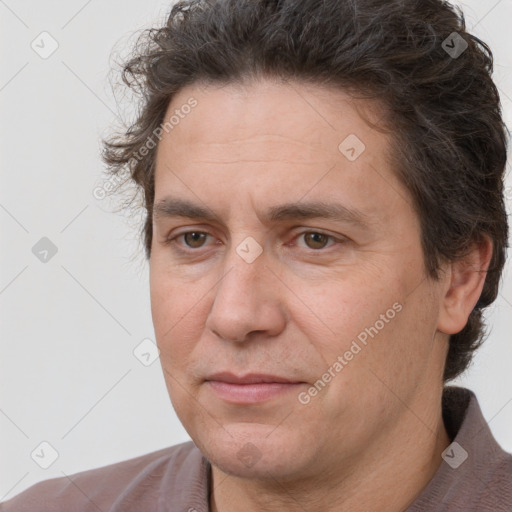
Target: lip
[250, 378]
[250, 388]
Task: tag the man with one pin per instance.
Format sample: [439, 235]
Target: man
[324, 190]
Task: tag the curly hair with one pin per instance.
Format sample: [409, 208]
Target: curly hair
[449, 142]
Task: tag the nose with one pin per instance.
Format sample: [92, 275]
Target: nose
[246, 301]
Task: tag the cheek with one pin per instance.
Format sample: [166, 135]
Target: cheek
[175, 309]
[177, 331]
[336, 312]
[396, 349]
[377, 328]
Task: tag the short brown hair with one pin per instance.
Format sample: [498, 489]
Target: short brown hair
[450, 144]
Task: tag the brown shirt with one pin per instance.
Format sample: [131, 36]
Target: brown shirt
[177, 479]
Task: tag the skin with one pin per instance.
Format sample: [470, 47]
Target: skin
[373, 437]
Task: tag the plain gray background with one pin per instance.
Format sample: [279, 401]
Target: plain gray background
[69, 325]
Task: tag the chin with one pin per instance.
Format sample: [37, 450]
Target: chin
[255, 450]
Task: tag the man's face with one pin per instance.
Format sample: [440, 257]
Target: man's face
[340, 306]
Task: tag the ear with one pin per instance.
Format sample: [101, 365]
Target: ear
[465, 280]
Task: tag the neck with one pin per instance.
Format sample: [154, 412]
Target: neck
[387, 477]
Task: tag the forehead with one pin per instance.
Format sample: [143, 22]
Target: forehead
[317, 117]
[286, 139]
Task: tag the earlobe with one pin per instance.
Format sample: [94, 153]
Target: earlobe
[466, 278]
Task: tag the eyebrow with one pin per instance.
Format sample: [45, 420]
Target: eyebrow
[169, 207]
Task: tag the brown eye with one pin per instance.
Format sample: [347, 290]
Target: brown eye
[316, 240]
[194, 239]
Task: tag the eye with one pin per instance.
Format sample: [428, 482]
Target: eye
[192, 239]
[315, 240]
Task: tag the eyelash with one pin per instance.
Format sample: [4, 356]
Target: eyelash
[172, 241]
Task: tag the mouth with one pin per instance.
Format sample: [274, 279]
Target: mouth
[250, 388]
